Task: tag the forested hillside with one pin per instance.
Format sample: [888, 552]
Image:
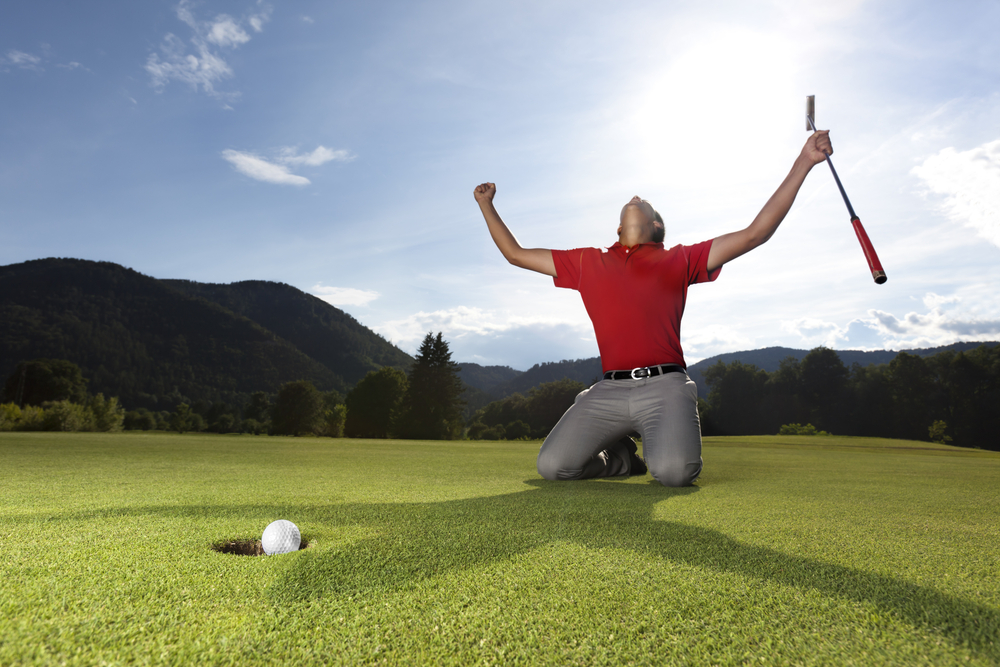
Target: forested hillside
[501, 381]
[156, 343]
[770, 358]
[485, 384]
[325, 333]
[484, 378]
[947, 397]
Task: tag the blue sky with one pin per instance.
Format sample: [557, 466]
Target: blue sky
[335, 146]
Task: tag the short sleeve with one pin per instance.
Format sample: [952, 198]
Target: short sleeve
[698, 263]
[568, 265]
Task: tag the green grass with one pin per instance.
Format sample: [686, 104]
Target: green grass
[790, 550]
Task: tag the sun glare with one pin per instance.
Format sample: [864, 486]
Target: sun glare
[719, 104]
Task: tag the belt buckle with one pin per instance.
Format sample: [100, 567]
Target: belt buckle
[642, 373]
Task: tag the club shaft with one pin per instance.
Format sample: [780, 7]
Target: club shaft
[878, 274]
[843, 193]
[840, 186]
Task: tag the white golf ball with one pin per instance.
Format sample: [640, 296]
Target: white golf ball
[280, 537]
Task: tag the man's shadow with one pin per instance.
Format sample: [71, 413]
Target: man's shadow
[412, 542]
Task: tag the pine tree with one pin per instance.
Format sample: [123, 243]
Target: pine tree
[432, 406]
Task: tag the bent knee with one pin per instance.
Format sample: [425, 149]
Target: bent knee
[548, 467]
[677, 475]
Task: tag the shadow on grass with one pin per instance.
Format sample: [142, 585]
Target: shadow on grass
[421, 540]
[412, 542]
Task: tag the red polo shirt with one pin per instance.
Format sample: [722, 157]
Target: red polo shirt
[635, 297]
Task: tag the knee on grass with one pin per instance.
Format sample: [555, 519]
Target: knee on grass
[553, 468]
[548, 468]
[676, 475]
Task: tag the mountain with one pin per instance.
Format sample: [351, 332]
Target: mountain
[587, 371]
[769, 358]
[154, 343]
[501, 381]
[484, 378]
[495, 382]
[323, 332]
[485, 384]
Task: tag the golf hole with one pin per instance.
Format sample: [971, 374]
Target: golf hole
[249, 547]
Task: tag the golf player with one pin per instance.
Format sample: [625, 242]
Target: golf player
[634, 292]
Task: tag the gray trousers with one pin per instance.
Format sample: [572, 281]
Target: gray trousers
[664, 411]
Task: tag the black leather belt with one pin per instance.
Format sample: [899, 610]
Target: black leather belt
[645, 372]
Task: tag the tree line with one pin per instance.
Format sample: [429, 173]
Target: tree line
[949, 397]
[51, 395]
[529, 416]
[426, 404]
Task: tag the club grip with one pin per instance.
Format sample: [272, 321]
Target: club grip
[876, 266]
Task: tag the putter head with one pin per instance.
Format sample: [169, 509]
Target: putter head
[811, 113]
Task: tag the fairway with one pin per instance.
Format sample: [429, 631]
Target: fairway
[789, 550]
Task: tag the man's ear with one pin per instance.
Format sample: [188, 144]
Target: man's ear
[619, 230]
[660, 231]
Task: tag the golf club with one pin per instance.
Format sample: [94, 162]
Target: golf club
[876, 266]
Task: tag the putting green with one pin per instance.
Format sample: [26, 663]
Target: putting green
[790, 550]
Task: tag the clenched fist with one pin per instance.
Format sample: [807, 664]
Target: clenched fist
[484, 192]
[817, 147]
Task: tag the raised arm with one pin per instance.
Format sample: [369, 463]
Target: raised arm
[533, 259]
[730, 246]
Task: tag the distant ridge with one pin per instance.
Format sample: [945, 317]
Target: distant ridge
[155, 343]
[489, 383]
[323, 332]
[586, 370]
[501, 381]
[769, 358]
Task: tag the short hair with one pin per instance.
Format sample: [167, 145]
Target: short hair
[659, 233]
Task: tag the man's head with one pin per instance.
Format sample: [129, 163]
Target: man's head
[640, 223]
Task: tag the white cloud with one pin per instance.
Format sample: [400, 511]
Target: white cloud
[258, 20]
[22, 60]
[932, 300]
[456, 322]
[262, 170]
[711, 340]
[204, 68]
[30, 61]
[224, 31]
[492, 337]
[184, 14]
[883, 330]
[814, 331]
[276, 170]
[970, 184]
[321, 155]
[72, 65]
[936, 327]
[344, 296]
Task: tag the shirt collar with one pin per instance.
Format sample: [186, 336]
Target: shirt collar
[622, 250]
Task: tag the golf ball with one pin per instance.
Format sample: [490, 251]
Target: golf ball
[280, 537]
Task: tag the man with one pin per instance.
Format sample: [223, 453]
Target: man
[634, 292]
